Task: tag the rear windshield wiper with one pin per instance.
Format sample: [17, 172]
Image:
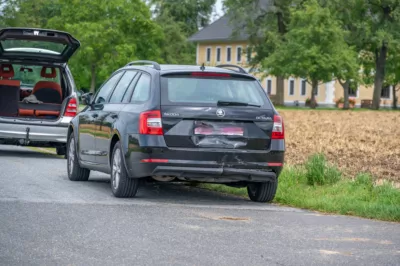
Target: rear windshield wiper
[236, 103]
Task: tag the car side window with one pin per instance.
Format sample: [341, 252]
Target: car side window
[107, 87]
[142, 90]
[122, 87]
[129, 91]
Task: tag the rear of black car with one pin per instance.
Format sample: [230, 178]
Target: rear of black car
[215, 127]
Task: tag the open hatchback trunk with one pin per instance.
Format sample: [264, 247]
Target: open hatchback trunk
[37, 44]
[33, 80]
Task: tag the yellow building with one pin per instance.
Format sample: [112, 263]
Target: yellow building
[216, 45]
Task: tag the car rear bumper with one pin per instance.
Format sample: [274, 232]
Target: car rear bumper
[220, 174]
[204, 165]
[30, 134]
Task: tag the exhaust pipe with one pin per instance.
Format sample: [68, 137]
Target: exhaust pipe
[163, 178]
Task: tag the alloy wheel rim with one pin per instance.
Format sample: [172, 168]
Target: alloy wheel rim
[71, 156]
[116, 169]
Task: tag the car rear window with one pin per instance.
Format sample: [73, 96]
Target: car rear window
[195, 90]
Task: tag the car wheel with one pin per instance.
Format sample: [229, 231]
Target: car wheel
[121, 185]
[62, 151]
[75, 171]
[262, 192]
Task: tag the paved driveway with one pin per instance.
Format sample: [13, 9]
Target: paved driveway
[45, 219]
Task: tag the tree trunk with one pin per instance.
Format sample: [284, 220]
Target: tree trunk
[380, 64]
[346, 86]
[394, 103]
[93, 80]
[280, 91]
[313, 102]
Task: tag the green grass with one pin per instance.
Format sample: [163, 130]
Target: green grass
[358, 197]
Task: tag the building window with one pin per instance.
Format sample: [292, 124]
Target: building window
[248, 54]
[291, 87]
[228, 54]
[218, 54]
[303, 88]
[269, 86]
[239, 54]
[385, 93]
[208, 56]
[353, 89]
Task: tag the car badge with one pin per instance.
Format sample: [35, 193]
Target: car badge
[220, 113]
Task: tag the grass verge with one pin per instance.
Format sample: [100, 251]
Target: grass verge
[319, 186]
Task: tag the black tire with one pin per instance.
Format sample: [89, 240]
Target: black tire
[75, 171]
[62, 151]
[121, 185]
[262, 192]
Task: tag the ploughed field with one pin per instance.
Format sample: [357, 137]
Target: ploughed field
[364, 141]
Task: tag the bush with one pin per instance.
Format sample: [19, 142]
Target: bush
[319, 172]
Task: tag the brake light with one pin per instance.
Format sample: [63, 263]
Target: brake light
[278, 131]
[150, 123]
[209, 74]
[72, 108]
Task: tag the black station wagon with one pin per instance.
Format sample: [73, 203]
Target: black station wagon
[179, 123]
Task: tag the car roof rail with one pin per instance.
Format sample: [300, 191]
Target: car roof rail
[240, 69]
[155, 64]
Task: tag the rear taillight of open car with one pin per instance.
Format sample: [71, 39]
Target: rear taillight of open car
[72, 108]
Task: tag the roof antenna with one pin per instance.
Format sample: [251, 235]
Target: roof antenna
[202, 67]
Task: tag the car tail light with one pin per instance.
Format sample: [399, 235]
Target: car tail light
[150, 123]
[278, 131]
[72, 108]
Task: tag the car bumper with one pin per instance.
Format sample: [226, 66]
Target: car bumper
[28, 134]
[219, 166]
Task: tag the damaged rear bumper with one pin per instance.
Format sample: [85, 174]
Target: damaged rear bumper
[220, 174]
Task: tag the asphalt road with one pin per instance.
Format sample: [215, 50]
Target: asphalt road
[45, 219]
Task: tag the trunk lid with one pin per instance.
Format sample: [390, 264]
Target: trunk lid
[37, 44]
[215, 110]
[205, 127]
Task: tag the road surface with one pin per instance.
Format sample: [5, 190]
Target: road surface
[45, 219]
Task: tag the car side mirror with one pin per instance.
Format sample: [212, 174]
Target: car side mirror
[87, 98]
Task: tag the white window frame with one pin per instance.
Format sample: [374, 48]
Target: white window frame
[266, 85]
[294, 86]
[241, 54]
[208, 47]
[301, 82]
[390, 94]
[247, 56]
[226, 51]
[216, 54]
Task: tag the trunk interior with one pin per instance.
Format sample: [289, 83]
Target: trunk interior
[31, 91]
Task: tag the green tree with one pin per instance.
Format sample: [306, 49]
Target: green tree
[376, 24]
[393, 72]
[265, 22]
[314, 48]
[111, 35]
[190, 14]
[179, 19]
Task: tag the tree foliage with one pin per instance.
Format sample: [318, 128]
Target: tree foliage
[265, 22]
[189, 14]
[314, 48]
